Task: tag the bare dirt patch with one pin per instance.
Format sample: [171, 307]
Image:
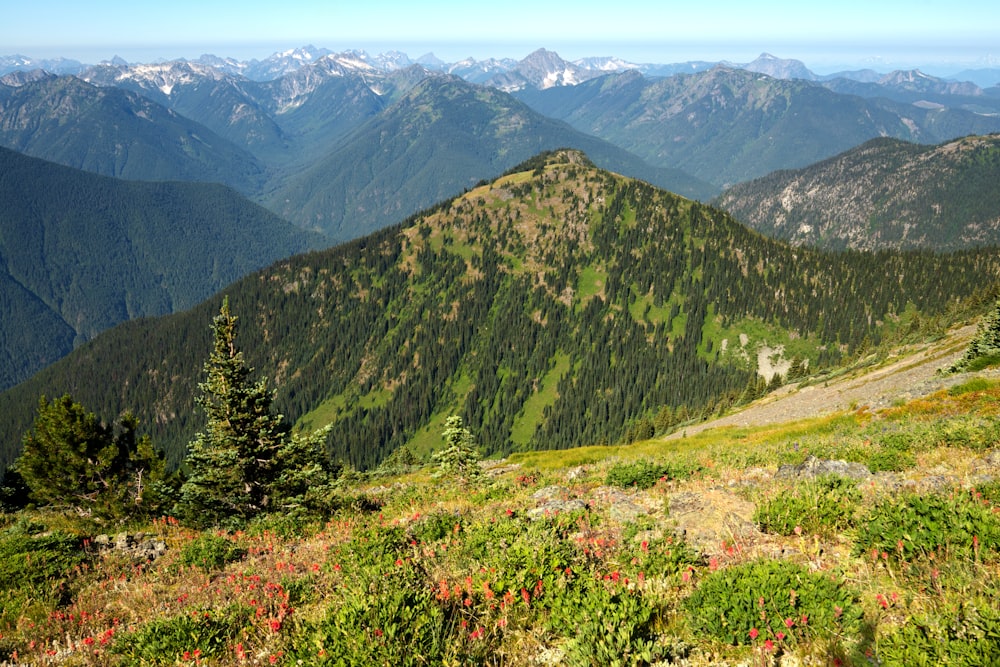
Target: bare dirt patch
[911, 373]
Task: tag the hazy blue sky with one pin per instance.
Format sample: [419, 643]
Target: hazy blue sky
[824, 35]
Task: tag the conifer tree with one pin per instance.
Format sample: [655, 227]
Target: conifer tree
[72, 459]
[459, 458]
[986, 342]
[246, 461]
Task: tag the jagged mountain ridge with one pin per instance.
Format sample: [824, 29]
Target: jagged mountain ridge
[440, 138]
[118, 133]
[728, 125]
[883, 194]
[550, 307]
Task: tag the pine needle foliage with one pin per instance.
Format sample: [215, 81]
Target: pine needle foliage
[72, 460]
[984, 349]
[246, 461]
[459, 458]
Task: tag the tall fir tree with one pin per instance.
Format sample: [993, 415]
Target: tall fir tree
[231, 464]
[247, 461]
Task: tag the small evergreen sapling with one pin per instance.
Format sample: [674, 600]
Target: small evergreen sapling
[985, 346]
[459, 458]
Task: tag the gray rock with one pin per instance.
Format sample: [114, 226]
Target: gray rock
[137, 546]
[814, 467]
[625, 511]
[550, 493]
[556, 507]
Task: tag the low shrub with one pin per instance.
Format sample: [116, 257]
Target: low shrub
[914, 526]
[188, 637]
[975, 384]
[607, 623]
[29, 556]
[35, 570]
[773, 600]
[826, 506]
[893, 450]
[644, 474]
[211, 552]
[970, 637]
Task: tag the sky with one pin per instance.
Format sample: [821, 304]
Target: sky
[826, 36]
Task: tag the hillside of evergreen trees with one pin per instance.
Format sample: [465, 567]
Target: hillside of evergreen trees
[553, 307]
[885, 193]
[80, 253]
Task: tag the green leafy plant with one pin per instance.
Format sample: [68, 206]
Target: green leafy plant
[35, 568]
[914, 526]
[774, 600]
[826, 505]
[608, 624]
[644, 474]
[969, 637]
[211, 552]
[191, 636]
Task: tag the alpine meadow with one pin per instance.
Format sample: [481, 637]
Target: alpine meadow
[338, 359]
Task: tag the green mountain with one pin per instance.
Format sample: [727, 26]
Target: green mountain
[726, 126]
[118, 133]
[441, 137]
[552, 307]
[80, 253]
[884, 194]
[225, 104]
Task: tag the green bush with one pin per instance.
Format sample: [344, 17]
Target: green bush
[608, 624]
[436, 526]
[975, 433]
[894, 451]
[395, 622]
[644, 474]
[35, 570]
[211, 552]
[30, 557]
[772, 597]
[188, 637]
[971, 637]
[975, 384]
[913, 526]
[826, 506]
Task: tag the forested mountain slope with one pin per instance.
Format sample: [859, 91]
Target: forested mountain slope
[729, 125]
[551, 308]
[80, 253]
[117, 133]
[884, 194]
[440, 138]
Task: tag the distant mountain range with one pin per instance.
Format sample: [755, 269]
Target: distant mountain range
[80, 253]
[115, 132]
[479, 71]
[729, 125]
[279, 130]
[885, 193]
[345, 143]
